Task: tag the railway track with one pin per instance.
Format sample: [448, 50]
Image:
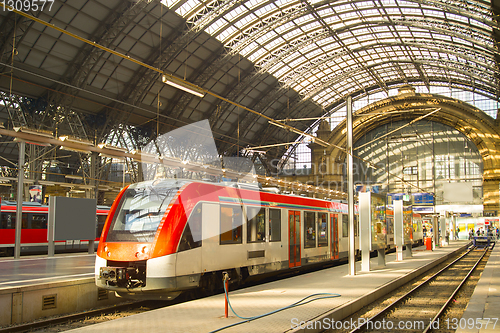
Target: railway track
[421, 309]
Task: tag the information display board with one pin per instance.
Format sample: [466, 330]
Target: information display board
[378, 222]
[408, 224]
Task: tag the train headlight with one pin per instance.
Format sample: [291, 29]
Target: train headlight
[144, 249]
[109, 254]
[105, 248]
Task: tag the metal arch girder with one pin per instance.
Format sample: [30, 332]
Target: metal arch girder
[448, 48]
[333, 34]
[318, 64]
[88, 57]
[173, 45]
[318, 6]
[314, 90]
[409, 24]
[212, 12]
[253, 32]
[459, 8]
[277, 56]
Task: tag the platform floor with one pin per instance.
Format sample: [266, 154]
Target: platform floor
[32, 270]
[482, 314]
[207, 314]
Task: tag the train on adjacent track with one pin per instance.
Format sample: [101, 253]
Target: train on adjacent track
[167, 236]
[34, 229]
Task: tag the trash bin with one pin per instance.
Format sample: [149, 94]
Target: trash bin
[428, 243]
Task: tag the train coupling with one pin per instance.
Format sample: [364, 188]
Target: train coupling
[117, 276]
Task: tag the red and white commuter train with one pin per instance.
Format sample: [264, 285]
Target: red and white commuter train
[166, 236]
[34, 228]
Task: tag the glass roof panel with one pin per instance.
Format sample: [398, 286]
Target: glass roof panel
[186, 8]
[366, 42]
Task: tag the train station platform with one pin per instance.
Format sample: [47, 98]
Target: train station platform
[35, 287]
[482, 314]
[32, 270]
[207, 314]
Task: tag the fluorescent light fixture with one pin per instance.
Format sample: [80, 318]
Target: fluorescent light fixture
[75, 140]
[45, 144]
[46, 134]
[183, 85]
[83, 151]
[144, 154]
[73, 177]
[112, 156]
[108, 146]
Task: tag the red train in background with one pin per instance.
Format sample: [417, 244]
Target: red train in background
[34, 229]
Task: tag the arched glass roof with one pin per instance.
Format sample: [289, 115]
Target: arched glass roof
[328, 50]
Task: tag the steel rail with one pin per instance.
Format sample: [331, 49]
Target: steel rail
[440, 312]
[402, 298]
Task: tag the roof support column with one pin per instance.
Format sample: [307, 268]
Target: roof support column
[350, 189]
[20, 197]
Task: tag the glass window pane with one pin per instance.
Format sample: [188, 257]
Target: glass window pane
[256, 226]
[231, 218]
[8, 221]
[322, 230]
[345, 226]
[309, 230]
[274, 225]
[39, 221]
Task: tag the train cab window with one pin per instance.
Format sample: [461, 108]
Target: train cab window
[140, 211]
[8, 221]
[231, 219]
[191, 237]
[274, 225]
[322, 229]
[309, 230]
[39, 221]
[345, 225]
[256, 224]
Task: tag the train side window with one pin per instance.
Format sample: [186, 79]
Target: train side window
[274, 225]
[345, 225]
[39, 221]
[25, 221]
[322, 229]
[309, 230]
[256, 225]
[8, 221]
[231, 219]
[12, 222]
[191, 237]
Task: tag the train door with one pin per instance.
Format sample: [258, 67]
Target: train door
[294, 238]
[334, 229]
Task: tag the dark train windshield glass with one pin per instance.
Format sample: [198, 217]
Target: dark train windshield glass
[141, 210]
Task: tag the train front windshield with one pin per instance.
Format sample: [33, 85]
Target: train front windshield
[140, 211]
